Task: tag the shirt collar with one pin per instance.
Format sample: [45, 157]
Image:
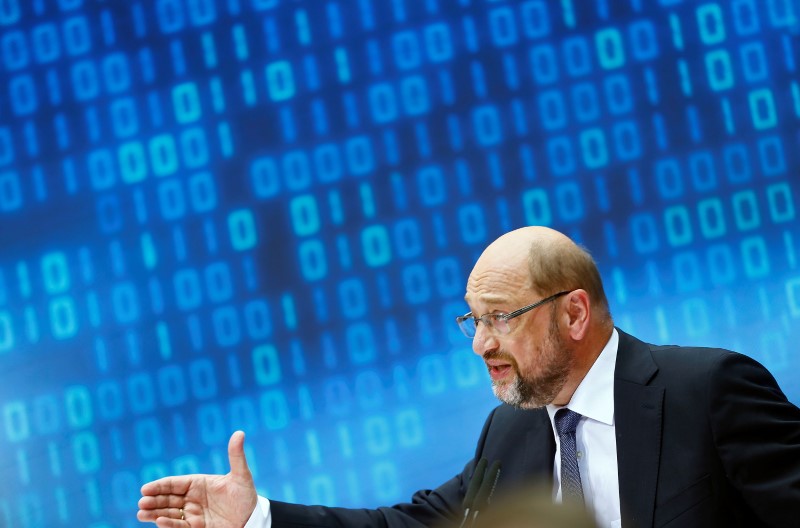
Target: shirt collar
[594, 397]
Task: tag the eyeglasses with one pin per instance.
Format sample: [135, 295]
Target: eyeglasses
[468, 323]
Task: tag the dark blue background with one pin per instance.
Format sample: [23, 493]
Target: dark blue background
[260, 215]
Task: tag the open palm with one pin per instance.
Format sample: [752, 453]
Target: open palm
[202, 501]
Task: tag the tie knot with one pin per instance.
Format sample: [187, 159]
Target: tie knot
[566, 421]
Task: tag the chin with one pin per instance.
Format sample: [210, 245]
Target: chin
[511, 395]
[526, 405]
[524, 396]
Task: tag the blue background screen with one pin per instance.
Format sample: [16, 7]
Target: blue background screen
[261, 214]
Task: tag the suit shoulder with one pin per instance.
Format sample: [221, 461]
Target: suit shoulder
[700, 364]
[696, 357]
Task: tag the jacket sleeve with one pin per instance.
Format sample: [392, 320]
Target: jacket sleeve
[757, 435]
[438, 507]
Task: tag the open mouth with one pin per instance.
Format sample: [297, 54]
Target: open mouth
[498, 370]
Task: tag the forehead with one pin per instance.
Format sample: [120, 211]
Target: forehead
[497, 286]
[501, 274]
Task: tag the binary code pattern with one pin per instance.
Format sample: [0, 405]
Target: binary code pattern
[260, 215]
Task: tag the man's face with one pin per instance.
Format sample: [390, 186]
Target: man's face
[530, 365]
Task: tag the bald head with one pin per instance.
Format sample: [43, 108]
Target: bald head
[546, 262]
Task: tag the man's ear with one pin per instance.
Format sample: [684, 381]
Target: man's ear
[579, 313]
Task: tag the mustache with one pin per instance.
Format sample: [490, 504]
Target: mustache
[499, 354]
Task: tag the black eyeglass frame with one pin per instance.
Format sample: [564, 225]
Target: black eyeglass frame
[505, 317]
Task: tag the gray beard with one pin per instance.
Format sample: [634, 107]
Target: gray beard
[528, 393]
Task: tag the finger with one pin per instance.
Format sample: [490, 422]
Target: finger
[167, 486]
[236, 455]
[153, 502]
[146, 516]
[153, 515]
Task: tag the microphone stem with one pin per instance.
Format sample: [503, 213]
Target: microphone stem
[464, 520]
[474, 518]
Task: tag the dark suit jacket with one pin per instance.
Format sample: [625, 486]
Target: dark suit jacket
[705, 438]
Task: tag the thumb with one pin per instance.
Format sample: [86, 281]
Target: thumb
[236, 456]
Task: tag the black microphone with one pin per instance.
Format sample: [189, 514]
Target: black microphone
[472, 489]
[484, 494]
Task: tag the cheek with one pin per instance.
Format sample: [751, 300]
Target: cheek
[524, 352]
[534, 356]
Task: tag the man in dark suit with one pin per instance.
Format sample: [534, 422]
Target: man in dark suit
[642, 435]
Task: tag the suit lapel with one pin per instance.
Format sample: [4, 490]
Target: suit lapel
[540, 461]
[638, 419]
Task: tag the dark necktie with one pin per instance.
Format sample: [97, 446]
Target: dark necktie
[571, 489]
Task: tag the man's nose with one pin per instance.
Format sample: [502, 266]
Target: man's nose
[484, 340]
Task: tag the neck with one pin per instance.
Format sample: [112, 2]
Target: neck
[585, 353]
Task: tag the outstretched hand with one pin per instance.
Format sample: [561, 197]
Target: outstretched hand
[202, 501]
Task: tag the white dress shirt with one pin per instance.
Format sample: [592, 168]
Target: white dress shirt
[595, 439]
